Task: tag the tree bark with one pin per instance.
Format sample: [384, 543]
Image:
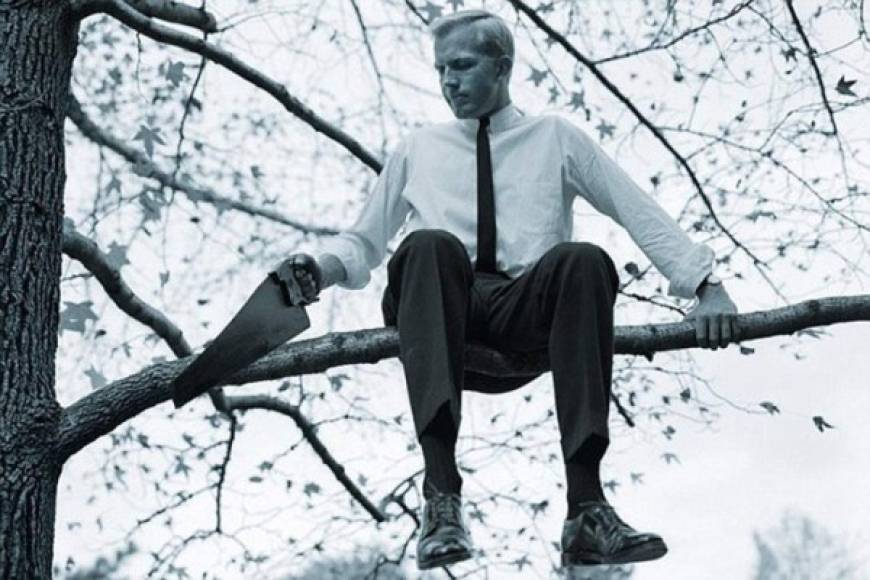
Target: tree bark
[37, 47]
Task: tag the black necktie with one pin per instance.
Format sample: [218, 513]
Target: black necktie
[485, 203]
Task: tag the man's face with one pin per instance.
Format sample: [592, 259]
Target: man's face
[470, 80]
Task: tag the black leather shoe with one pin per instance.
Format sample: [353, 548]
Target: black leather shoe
[444, 538]
[598, 536]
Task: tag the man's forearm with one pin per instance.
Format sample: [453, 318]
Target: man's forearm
[332, 269]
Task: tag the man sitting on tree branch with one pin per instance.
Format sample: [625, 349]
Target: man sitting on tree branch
[527, 288]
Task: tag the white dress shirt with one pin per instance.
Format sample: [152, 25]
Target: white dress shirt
[540, 163]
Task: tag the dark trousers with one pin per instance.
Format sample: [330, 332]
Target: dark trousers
[564, 303]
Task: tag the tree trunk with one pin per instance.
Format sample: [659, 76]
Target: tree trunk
[37, 47]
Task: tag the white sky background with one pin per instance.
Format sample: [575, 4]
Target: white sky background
[732, 479]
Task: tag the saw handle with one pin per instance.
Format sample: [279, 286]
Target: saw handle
[283, 276]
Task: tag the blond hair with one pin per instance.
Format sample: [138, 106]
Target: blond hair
[493, 35]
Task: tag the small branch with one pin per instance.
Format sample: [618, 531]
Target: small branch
[862, 26]
[309, 432]
[182, 498]
[156, 31]
[622, 410]
[80, 248]
[86, 251]
[811, 56]
[368, 45]
[653, 301]
[99, 136]
[101, 411]
[416, 12]
[677, 39]
[768, 155]
[186, 114]
[177, 13]
[223, 473]
[572, 50]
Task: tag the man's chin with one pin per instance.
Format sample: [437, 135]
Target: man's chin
[463, 112]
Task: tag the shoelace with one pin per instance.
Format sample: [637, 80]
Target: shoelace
[445, 509]
[606, 512]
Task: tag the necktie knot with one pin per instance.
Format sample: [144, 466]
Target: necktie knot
[484, 123]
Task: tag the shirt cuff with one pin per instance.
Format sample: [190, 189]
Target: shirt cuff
[693, 269]
[350, 253]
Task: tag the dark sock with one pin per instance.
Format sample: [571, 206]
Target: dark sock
[438, 441]
[582, 471]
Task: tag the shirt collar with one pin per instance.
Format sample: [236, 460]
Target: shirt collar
[498, 121]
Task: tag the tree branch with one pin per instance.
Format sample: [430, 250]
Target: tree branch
[86, 251]
[521, 6]
[101, 411]
[223, 473]
[177, 12]
[416, 12]
[167, 10]
[148, 168]
[309, 432]
[677, 39]
[811, 56]
[148, 27]
[80, 248]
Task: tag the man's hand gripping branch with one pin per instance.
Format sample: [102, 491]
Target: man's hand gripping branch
[715, 316]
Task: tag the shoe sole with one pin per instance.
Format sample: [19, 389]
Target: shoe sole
[444, 559]
[640, 553]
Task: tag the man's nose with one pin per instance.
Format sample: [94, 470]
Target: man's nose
[449, 79]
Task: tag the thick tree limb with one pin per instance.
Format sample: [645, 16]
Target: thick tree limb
[310, 433]
[167, 10]
[80, 248]
[86, 251]
[521, 6]
[101, 411]
[148, 168]
[148, 27]
[177, 12]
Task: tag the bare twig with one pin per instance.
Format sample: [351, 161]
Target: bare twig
[268, 403]
[154, 30]
[80, 248]
[86, 251]
[223, 473]
[768, 155]
[811, 55]
[416, 12]
[196, 193]
[580, 57]
[622, 411]
[186, 114]
[679, 38]
[368, 45]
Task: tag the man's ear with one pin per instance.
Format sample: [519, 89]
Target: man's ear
[505, 65]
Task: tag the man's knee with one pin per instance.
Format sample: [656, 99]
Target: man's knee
[579, 252]
[435, 240]
[582, 257]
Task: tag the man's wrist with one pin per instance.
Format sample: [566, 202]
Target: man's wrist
[710, 282]
[332, 269]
